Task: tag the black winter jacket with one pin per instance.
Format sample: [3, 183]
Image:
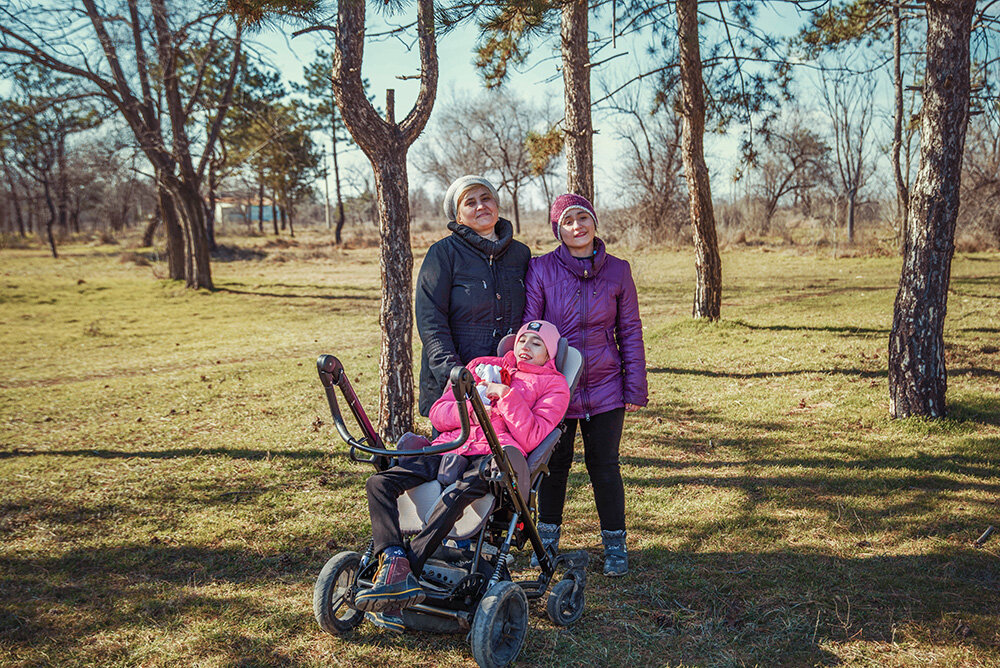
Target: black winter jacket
[470, 294]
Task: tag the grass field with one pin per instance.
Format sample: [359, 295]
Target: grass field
[170, 485]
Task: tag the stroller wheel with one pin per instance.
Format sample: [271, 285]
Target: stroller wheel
[566, 602]
[333, 597]
[500, 625]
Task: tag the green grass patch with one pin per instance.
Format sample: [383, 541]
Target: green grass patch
[172, 485]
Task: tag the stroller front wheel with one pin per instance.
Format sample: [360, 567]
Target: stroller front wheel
[332, 595]
[566, 602]
[500, 625]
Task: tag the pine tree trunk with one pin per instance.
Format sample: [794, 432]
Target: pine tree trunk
[902, 193]
[386, 143]
[917, 373]
[708, 264]
[396, 315]
[579, 129]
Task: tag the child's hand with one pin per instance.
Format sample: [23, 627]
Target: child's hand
[496, 390]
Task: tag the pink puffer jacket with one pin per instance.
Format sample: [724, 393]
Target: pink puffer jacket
[535, 404]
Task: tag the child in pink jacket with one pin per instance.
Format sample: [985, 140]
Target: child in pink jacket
[527, 397]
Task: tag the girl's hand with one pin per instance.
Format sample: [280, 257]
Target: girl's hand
[496, 390]
[631, 408]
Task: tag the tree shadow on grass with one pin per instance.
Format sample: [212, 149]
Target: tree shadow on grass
[702, 608]
[859, 373]
[981, 409]
[293, 295]
[121, 590]
[779, 607]
[847, 330]
[169, 453]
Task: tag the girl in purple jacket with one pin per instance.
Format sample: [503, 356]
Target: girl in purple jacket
[590, 297]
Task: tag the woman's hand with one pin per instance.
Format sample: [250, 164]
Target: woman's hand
[631, 408]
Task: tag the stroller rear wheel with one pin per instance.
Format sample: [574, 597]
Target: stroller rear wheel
[500, 625]
[333, 595]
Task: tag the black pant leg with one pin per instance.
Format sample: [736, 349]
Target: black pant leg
[467, 489]
[552, 490]
[385, 487]
[602, 436]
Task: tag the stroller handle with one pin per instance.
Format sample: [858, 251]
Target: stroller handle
[331, 374]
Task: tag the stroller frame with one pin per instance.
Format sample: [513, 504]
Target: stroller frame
[477, 595]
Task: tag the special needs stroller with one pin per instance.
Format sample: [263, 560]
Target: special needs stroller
[467, 581]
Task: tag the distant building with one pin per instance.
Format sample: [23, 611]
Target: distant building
[232, 210]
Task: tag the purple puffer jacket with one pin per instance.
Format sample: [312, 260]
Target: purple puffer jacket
[596, 308]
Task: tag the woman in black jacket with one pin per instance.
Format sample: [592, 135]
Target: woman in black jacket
[470, 290]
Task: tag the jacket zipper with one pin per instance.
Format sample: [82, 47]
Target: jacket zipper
[583, 321]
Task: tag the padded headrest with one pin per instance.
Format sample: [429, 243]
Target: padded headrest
[507, 344]
[569, 361]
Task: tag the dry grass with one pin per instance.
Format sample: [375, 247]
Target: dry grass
[171, 486]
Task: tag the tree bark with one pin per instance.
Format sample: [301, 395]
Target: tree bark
[852, 198]
[902, 192]
[260, 201]
[173, 232]
[708, 264]
[386, 143]
[213, 184]
[52, 217]
[579, 129]
[336, 182]
[14, 198]
[917, 373]
[147, 234]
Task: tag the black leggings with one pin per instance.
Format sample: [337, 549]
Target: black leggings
[385, 488]
[602, 435]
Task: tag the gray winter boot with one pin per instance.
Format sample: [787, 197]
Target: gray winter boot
[549, 533]
[615, 555]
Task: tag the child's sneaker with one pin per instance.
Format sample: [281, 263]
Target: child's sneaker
[394, 587]
[549, 533]
[390, 620]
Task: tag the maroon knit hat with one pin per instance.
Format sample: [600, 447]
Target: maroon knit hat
[567, 202]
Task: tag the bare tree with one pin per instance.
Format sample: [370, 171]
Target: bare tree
[849, 105]
[386, 144]
[794, 162]
[980, 212]
[652, 179]
[917, 373]
[484, 135]
[141, 70]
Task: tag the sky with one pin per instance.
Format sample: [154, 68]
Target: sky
[387, 58]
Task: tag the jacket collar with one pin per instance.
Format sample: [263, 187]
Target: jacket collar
[583, 269]
[505, 235]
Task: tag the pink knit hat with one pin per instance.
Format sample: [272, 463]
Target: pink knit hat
[568, 202]
[546, 331]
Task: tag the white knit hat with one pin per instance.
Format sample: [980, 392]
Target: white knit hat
[458, 187]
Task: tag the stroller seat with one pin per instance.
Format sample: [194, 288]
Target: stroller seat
[417, 504]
